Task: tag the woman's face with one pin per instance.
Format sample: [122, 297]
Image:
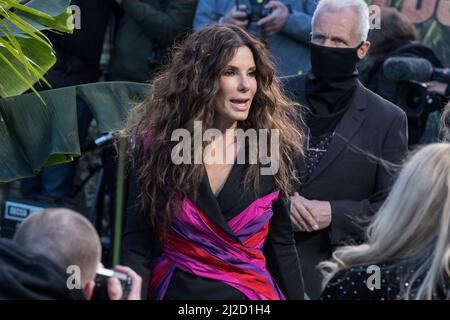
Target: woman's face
[237, 88]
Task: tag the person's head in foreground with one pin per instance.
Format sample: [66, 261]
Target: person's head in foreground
[410, 234]
[69, 239]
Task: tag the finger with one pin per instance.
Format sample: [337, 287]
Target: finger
[135, 292]
[295, 226]
[242, 7]
[266, 20]
[114, 288]
[239, 15]
[272, 4]
[306, 214]
[240, 23]
[296, 214]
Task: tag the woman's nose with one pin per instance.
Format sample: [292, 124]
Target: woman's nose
[244, 84]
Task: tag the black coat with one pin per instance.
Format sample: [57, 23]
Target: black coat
[78, 54]
[141, 245]
[355, 174]
[27, 276]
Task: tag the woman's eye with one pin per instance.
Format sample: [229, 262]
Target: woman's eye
[252, 73]
[229, 73]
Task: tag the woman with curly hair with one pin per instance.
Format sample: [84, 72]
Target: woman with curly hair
[199, 227]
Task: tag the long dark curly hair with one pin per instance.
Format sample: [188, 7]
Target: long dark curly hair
[185, 92]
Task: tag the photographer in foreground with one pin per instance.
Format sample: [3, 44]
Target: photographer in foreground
[285, 26]
[54, 255]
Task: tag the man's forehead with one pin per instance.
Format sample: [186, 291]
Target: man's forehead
[339, 23]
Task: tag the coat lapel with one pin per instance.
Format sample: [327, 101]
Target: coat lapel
[346, 129]
[209, 205]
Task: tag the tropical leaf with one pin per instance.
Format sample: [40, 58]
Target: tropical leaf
[34, 135]
[20, 70]
[25, 52]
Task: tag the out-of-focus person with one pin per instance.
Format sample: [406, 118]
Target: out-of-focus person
[144, 34]
[399, 38]
[407, 252]
[285, 27]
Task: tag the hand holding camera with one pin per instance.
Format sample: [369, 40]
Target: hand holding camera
[269, 16]
[237, 16]
[276, 20]
[122, 283]
[438, 87]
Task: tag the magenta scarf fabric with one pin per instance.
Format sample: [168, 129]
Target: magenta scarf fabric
[197, 245]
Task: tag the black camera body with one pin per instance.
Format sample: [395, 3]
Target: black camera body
[414, 98]
[254, 9]
[101, 285]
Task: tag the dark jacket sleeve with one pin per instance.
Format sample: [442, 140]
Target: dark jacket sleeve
[298, 25]
[86, 43]
[282, 258]
[349, 218]
[139, 243]
[163, 25]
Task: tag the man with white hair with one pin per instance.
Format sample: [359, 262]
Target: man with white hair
[354, 139]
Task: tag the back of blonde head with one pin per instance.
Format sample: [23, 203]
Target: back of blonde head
[412, 226]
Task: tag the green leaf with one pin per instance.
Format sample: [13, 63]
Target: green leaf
[15, 77]
[33, 135]
[8, 4]
[25, 52]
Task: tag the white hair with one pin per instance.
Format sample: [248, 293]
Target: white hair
[358, 6]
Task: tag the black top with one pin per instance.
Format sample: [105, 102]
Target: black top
[141, 246]
[356, 283]
[27, 276]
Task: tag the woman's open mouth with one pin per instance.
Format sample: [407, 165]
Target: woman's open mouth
[240, 104]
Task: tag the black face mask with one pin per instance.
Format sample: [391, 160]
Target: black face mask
[330, 63]
[330, 86]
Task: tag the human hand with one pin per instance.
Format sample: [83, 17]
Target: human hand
[236, 17]
[437, 87]
[309, 215]
[275, 21]
[115, 288]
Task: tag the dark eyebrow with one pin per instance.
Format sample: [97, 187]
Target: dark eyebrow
[339, 39]
[318, 34]
[230, 66]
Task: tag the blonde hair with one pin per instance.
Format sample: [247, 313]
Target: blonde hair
[411, 227]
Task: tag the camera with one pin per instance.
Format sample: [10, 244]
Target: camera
[414, 99]
[254, 9]
[101, 285]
